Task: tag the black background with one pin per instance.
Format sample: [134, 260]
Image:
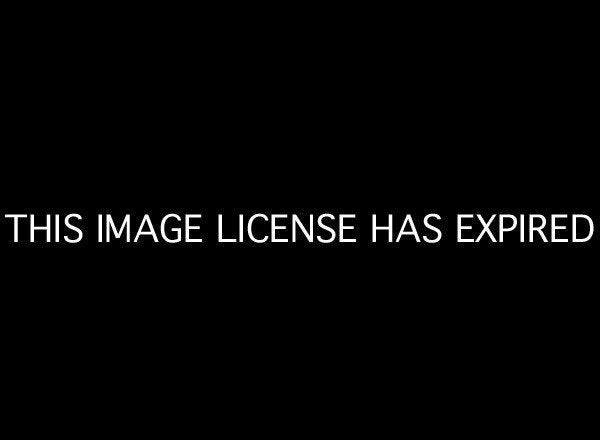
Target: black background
[386, 112]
